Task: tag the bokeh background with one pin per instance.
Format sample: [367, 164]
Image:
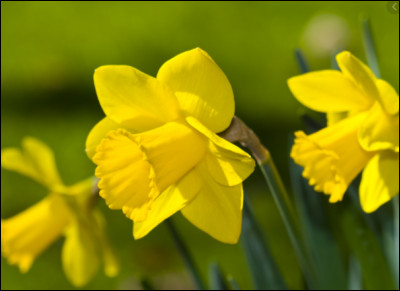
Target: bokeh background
[49, 51]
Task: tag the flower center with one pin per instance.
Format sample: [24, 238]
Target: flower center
[134, 169]
[332, 157]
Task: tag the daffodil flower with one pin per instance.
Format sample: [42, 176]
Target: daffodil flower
[362, 132]
[157, 151]
[66, 210]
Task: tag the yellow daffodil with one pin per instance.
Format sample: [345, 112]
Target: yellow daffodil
[362, 132]
[67, 210]
[157, 151]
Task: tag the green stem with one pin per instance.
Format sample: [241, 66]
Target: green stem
[286, 211]
[187, 258]
[239, 132]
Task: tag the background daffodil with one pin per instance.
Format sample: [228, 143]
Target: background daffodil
[67, 210]
[362, 132]
[157, 151]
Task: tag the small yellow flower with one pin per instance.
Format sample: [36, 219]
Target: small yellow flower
[362, 132]
[65, 211]
[157, 151]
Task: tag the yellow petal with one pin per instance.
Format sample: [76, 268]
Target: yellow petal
[332, 157]
[36, 160]
[228, 168]
[79, 255]
[202, 89]
[133, 99]
[111, 264]
[389, 97]
[170, 201]
[380, 181]
[82, 189]
[335, 117]
[135, 168]
[361, 76]
[216, 209]
[98, 132]
[328, 91]
[379, 131]
[27, 234]
[127, 179]
[227, 163]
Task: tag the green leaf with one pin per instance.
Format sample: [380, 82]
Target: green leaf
[355, 278]
[365, 246]
[301, 61]
[184, 252]
[263, 269]
[382, 223]
[370, 48]
[216, 278]
[233, 283]
[334, 64]
[287, 213]
[387, 218]
[319, 239]
[388, 236]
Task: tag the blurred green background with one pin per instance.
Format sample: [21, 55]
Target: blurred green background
[49, 51]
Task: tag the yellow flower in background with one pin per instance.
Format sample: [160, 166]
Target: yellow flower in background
[362, 132]
[157, 151]
[67, 210]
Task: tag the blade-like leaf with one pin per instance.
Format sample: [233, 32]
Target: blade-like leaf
[382, 224]
[355, 278]
[233, 283]
[184, 252]
[320, 241]
[385, 215]
[301, 61]
[263, 269]
[289, 218]
[216, 278]
[365, 246]
[370, 48]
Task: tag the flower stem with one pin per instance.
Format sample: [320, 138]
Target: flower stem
[188, 260]
[286, 210]
[239, 132]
